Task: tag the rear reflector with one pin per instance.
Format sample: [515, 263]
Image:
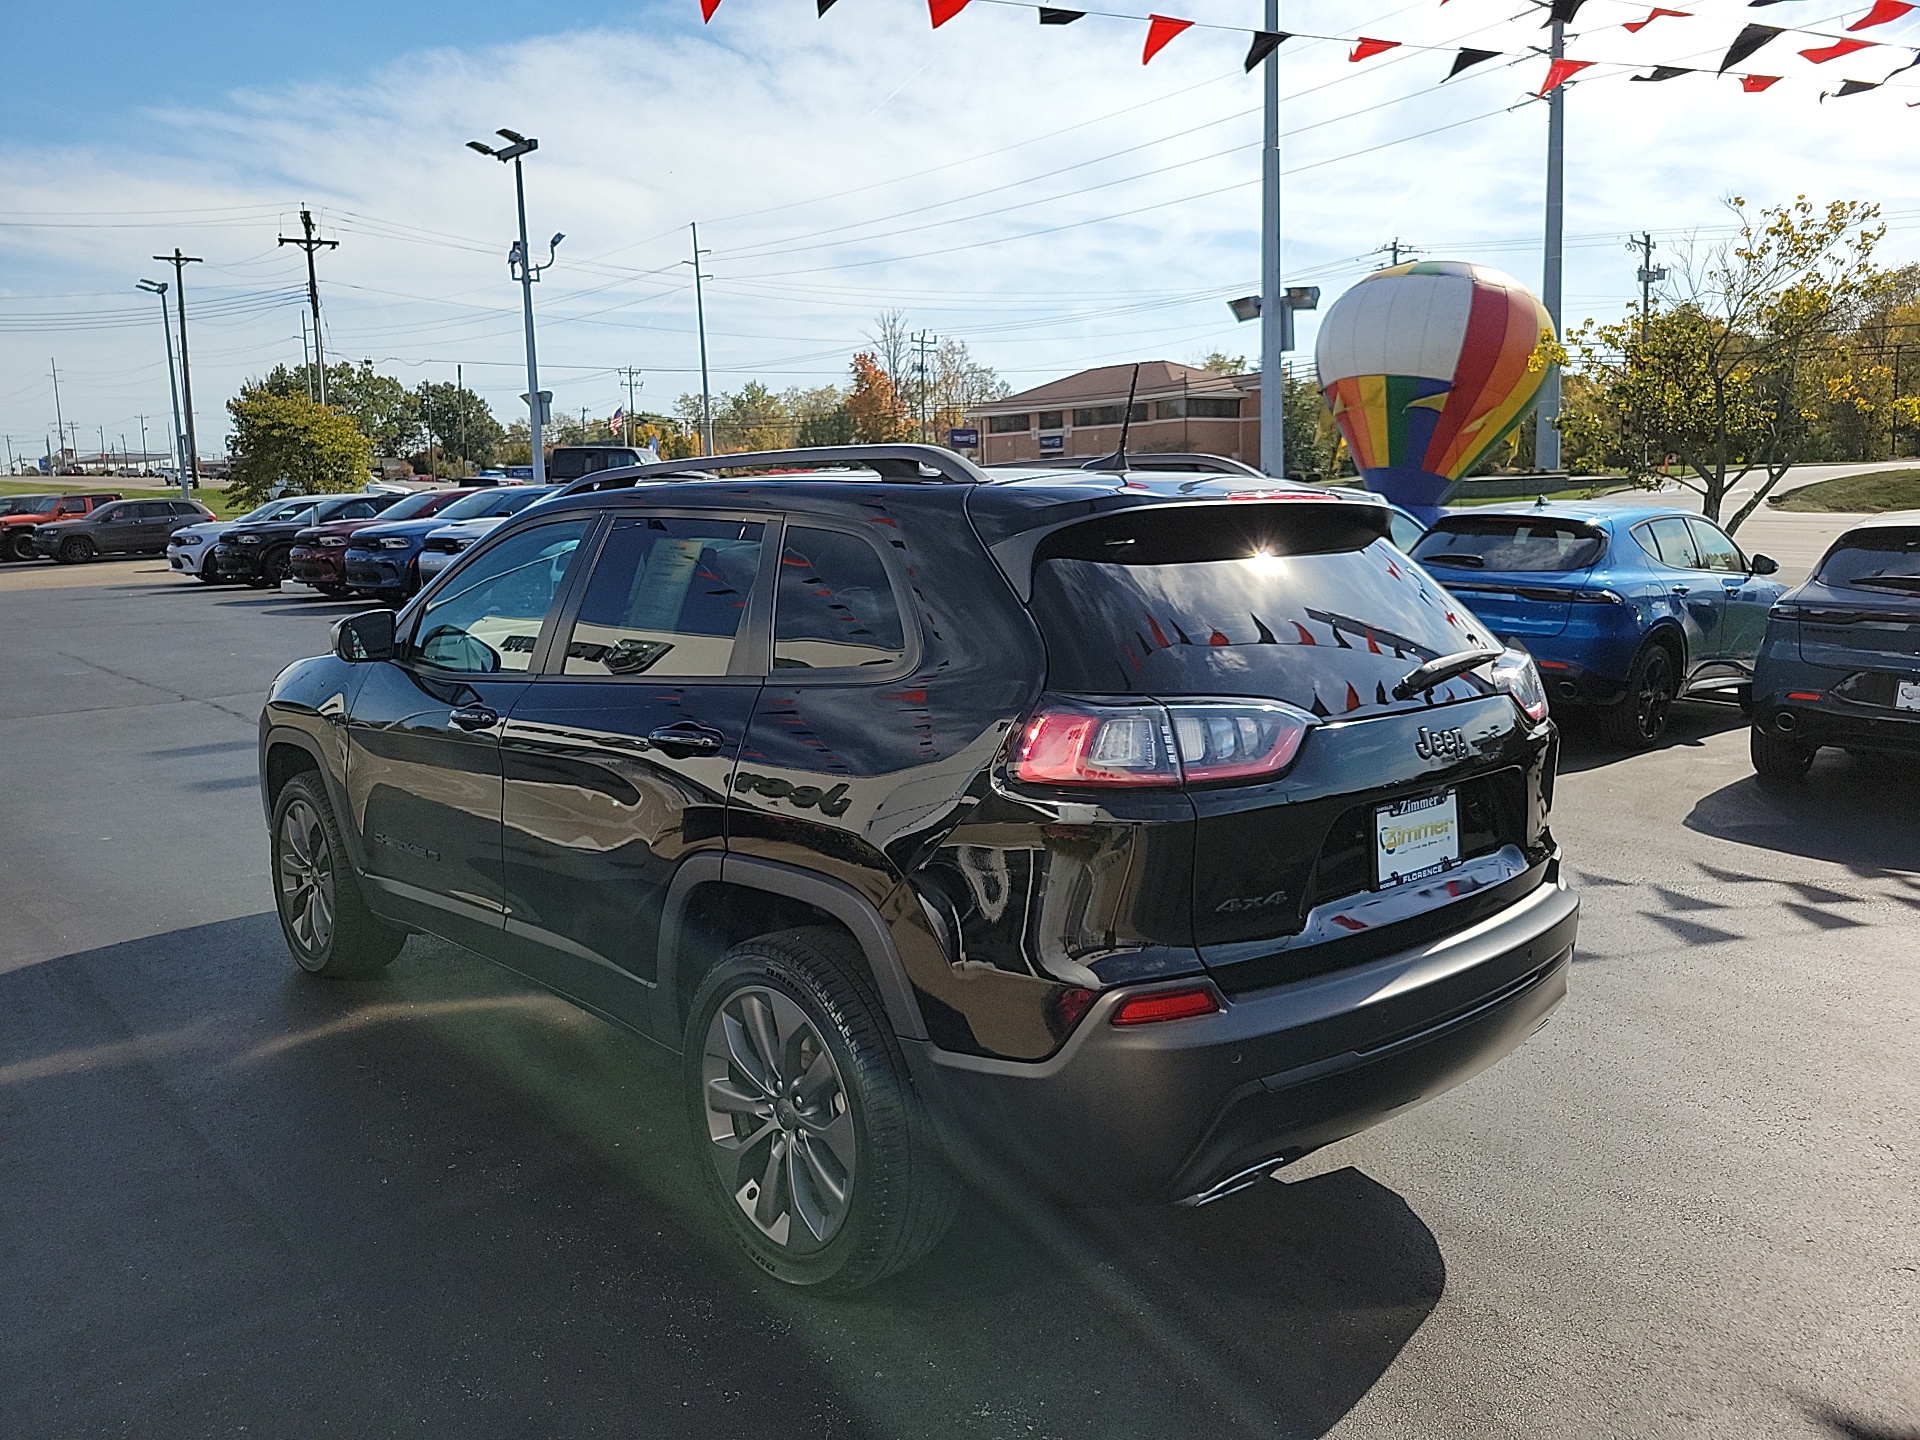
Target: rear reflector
[1803, 695]
[1168, 1005]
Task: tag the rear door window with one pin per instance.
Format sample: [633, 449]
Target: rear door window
[1716, 549]
[1670, 542]
[1306, 603]
[834, 606]
[1884, 558]
[667, 597]
[1510, 544]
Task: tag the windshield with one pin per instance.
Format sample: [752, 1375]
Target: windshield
[1510, 543]
[26, 504]
[487, 504]
[422, 503]
[1883, 558]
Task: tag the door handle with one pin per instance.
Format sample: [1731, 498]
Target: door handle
[1679, 589]
[683, 740]
[474, 717]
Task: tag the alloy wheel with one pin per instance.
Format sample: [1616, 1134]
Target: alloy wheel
[1655, 697]
[306, 877]
[779, 1119]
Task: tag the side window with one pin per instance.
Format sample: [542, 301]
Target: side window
[1717, 550]
[1670, 541]
[834, 606]
[155, 510]
[488, 618]
[1406, 531]
[358, 510]
[666, 598]
[71, 507]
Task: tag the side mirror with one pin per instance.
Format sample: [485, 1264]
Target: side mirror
[1763, 565]
[363, 637]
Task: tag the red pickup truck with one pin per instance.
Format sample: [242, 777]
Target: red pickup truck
[20, 513]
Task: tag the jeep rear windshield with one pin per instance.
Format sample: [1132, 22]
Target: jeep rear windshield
[1884, 558]
[1302, 602]
[27, 504]
[1510, 543]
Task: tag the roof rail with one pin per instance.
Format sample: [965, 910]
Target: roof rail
[911, 463]
[1182, 462]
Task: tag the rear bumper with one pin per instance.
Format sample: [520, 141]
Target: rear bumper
[1170, 1111]
[1857, 727]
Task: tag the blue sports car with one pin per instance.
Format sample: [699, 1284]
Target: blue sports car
[1624, 607]
[1841, 662]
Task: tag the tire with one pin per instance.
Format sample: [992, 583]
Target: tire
[1639, 720]
[332, 592]
[74, 550]
[205, 575]
[14, 546]
[1778, 761]
[787, 1036]
[326, 921]
[273, 569]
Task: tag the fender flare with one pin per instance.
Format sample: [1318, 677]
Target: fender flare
[298, 739]
[840, 900]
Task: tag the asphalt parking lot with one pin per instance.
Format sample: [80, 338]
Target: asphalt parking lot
[236, 1200]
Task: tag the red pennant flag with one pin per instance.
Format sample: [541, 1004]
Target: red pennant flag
[1882, 12]
[941, 10]
[1558, 73]
[1160, 31]
[1368, 47]
[1754, 84]
[1823, 53]
[707, 7]
[1634, 27]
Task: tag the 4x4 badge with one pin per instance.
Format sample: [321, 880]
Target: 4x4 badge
[1439, 744]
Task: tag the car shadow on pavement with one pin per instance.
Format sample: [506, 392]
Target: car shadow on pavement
[1856, 811]
[444, 1200]
[1691, 722]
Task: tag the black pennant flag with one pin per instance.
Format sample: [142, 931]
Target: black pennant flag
[1853, 87]
[1746, 42]
[1265, 42]
[825, 5]
[1466, 59]
[1059, 17]
[1664, 72]
[1564, 11]
[1756, 4]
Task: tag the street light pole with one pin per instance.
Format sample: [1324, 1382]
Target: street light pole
[1546, 435]
[520, 265]
[700, 317]
[59, 418]
[190, 476]
[1274, 317]
[159, 287]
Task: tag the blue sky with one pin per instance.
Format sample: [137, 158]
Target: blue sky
[1035, 192]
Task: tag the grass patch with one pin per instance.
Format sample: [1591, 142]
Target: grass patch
[1882, 490]
[1583, 492]
[214, 499]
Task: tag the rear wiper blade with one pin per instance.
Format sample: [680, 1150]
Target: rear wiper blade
[1440, 670]
[1465, 562]
[1889, 582]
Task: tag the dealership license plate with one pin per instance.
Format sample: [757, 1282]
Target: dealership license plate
[1906, 695]
[1416, 838]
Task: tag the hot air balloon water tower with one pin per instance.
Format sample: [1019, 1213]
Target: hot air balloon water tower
[1427, 366]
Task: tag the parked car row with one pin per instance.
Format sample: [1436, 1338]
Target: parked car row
[76, 528]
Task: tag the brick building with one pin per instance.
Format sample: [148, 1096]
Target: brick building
[1176, 407]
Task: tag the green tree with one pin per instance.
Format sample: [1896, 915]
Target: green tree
[290, 445]
[1221, 363]
[387, 413]
[1725, 375]
[459, 423]
[959, 384]
[1312, 439]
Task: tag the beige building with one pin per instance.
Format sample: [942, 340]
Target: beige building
[1175, 407]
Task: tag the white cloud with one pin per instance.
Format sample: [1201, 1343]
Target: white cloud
[858, 162]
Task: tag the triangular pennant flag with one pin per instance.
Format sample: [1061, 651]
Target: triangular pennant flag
[707, 7]
[943, 10]
[1664, 72]
[1746, 42]
[1050, 16]
[1882, 12]
[825, 5]
[1265, 42]
[1160, 30]
[1558, 73]
[1564, 11]
[1634, 27]
[1756, 4]
[1466, 59]
[1368, 47]
[1820, 54]
[1853, 87]
[1754, 84]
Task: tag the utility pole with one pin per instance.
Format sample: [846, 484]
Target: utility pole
[923, 344]
[1647, 274]
[59, 420]
[306, 355]
[700, 314]
[308, 242]
[1546, 437]
[143, 444]
[190, 475]
[520, 265]
[460, 399]
[630, 372]
[1392, 251]
[158, 287]
[1275, 321]
[10, 455]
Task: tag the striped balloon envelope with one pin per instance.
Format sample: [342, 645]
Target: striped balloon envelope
[1427, 367]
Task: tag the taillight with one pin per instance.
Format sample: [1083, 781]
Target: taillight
[1182, 1004]
[1079, 743]
[1515, 674]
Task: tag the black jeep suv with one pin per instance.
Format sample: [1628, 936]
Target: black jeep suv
[1133, 833]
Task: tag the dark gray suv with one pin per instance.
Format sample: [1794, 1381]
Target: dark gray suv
[1131, 833]
[125, 527]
